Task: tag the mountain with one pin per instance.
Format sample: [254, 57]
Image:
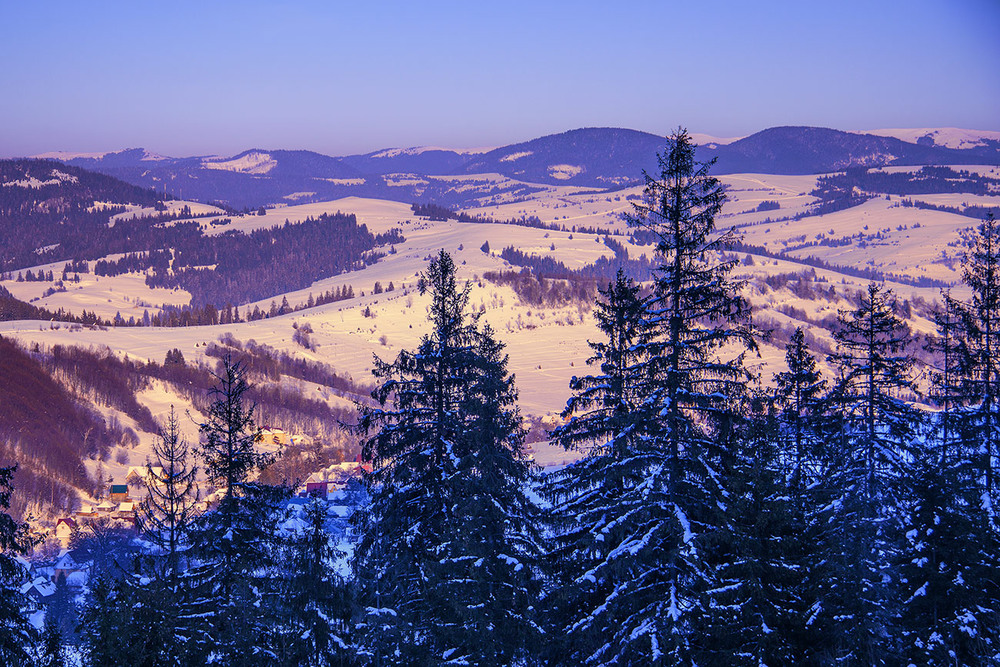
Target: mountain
[424, 160]
[47, 208]
[594, 157]
[816, 150]
[250, 179]
[587, 157]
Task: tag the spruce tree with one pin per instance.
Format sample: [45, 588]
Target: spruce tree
[316, 605]
[167, 590]
[949, 572]
[981, 272]
[447, 553]
[760, 605]
[17, 635]
[799, 396]
[594, 498]
[235, 541]
[660, 562]
[876, 431]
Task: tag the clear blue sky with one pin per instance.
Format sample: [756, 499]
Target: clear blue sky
[214, 77]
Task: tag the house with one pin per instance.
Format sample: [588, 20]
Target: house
[139, 476]
[106, 506]
[119, 493]
[66, 565]
[39, 590]
[65, 529]
[125, 511]
[274, 436]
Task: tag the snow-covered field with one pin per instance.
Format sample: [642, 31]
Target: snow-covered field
[547, 346]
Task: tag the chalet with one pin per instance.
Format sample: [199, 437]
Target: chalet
[66, 565]
[125, 510]
[39, 590]
[65, 528]
[119, 493]
[140, 477]
[106, 506]
[274, 436]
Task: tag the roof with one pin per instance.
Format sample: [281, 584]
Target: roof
[142, 472]
[119, 488]
[66, 562]
[126, 507]
[66, 520]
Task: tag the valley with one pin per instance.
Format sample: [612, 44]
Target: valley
[804, 256]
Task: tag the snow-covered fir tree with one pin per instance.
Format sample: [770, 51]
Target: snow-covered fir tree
[596, 498]
[949, 568]
[659, 561]
[872, 448]
[447, 554]
[981, 272]
[236, 541]
[167, 592]
[316, 613]
[17, 635]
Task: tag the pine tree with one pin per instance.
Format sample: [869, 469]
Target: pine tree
[660, 560]
[317, 609]
[17, 635]
[234, 542]
[593, 497]
[877, 428]
[981, 272]
[445, 561]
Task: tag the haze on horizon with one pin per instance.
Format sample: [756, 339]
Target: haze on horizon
[216, 78]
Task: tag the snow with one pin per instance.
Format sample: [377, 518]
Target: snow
[949, 137]
[511, 157]
[254, 162]
[565, 172]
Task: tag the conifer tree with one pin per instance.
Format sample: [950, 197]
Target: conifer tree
[592, 498]
[445, 561]
[877, 428]
[981, 272]
[166, 593]
[760, 605]
[316, 607]
[661, 560]
[949, 569]
[234, 542]
[17, 635]
[800, 391]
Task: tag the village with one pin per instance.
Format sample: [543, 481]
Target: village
[80, 544]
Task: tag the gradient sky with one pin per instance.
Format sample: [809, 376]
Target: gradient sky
[214, 77]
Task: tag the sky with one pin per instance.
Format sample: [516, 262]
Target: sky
[214, 78]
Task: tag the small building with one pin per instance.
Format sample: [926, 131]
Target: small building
[139, 476]
[66, 565]
[65, 529]
[119, 493]
[106, 506]
[39, 590]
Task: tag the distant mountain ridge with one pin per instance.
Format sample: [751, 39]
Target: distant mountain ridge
[588, 157]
